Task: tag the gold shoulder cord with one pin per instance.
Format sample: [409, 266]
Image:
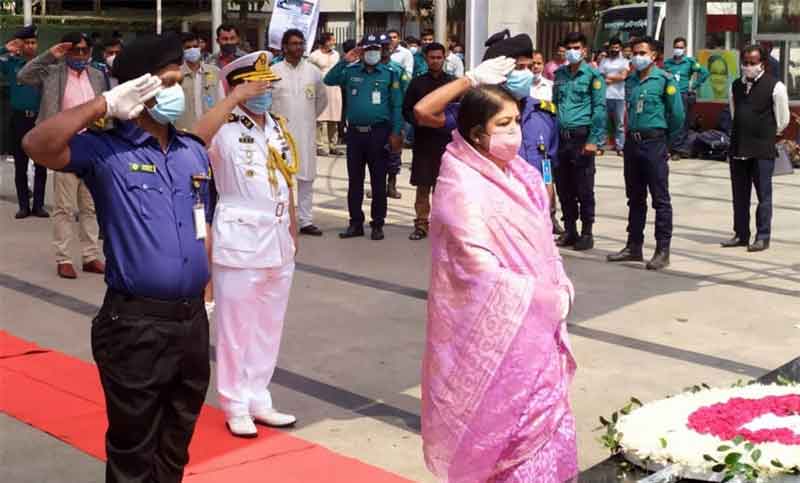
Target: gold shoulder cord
[276, 160]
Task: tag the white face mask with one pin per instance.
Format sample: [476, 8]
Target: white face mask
[372, 57]
[752, 71]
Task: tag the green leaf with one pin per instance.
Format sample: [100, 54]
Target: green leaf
[663, 442]
[636, 402]
[749, 446]
[718, 468]
[732, 458]
[723, 448]
[738, 440]
[776, 464]
[615, 417]
[708, 457]
[705, 386]
[604, 421]
[755, 455]
[728, 478]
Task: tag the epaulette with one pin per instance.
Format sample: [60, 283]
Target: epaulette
[101, 125]
[246, 122]
[548, 106]
[183, 132]
[233, 117]
[277, 117]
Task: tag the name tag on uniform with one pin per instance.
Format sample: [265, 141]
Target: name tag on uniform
[639, 106]
[199, 213]
[677, 77]
[143, 168]
[354, 92]
[547, 171]
[376, 97]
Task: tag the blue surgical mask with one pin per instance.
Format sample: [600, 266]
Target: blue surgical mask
[678, 52]
[413, 50]
[574, 55]
[170, 104]
[641, 62]
[519, 83]
[78, 65]
[192, 55]
[372, 57]
[260, 104]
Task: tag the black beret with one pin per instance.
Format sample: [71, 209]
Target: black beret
[76, 37]
[518, 46]
[27, 32]
[147, 55]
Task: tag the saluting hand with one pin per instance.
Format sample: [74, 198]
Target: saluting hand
[15, 46]
[126, 101]
[491, 72]
[249, 90]
[60, 50]
[353, 56]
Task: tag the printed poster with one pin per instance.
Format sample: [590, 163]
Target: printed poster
[294, 14]
[723, 68]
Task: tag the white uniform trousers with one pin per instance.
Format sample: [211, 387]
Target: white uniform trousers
[305, 198]
[250, 308]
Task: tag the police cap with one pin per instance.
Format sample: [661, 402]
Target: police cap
[27, 32]
[147, 55]
[517, 46]
[370, 40]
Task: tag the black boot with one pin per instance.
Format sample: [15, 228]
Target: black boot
[660, 258]
[391, 188]
[586, 241]
[569, 237]
[631, 253]
[353, 231]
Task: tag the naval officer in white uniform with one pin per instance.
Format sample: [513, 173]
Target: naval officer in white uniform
[254, 159]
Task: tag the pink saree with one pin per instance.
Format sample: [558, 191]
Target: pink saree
[497, 363]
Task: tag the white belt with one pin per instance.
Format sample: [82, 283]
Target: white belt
[278, 208]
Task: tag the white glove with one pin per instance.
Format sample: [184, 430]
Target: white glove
[126, 101]
[492, 72]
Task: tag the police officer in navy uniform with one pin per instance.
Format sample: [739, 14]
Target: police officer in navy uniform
[374, 115]
[150, 183]
[655, 109]
[24, 110]
[579, 91]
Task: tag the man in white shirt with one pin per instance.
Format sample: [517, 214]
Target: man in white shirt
[453, 64]
[542, 87]
[400, 54]
[615, 69]
[300, 97]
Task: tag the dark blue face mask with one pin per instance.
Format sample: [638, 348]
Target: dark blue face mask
[77, 65]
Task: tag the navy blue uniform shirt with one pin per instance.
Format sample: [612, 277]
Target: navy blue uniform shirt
[145, 199]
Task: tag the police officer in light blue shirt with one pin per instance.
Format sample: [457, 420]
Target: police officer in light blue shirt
[150, 185]
[374, 101]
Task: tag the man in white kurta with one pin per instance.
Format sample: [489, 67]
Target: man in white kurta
[300, 97]
[253, 250]
[328, 121]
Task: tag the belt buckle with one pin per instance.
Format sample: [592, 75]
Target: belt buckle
[29, 114]
[363, 129]
[637, 136]
[280, 209]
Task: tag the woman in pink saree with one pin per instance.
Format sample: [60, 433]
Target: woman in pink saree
[497, 363]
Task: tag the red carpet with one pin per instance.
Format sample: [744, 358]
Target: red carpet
[61, 396]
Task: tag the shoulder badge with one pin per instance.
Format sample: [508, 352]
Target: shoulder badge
[671, 90]
[696, 65]
[395, 85]
[232, 117]
[597, 84]
[547, 106]
[247, 122]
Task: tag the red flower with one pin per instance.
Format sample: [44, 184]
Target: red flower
[726, 420]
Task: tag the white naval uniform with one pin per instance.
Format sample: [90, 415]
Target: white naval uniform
[253, 262]
[300, 97]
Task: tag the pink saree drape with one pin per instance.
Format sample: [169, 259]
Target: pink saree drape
[497, 363]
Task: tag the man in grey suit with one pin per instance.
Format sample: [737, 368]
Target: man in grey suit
[67, 79]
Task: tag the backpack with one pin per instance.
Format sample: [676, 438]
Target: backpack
[712, 144]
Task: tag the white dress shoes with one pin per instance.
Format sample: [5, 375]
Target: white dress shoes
[242, 427]
[271, 417]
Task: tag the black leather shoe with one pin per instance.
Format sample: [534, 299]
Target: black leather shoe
[659, 261]
[758, 246]
[585, 242]
[734, 242]
[377, 233]
[311, 230]
[22, 214]
[352, 232]
[628, 254]
[567, 239]
[40, 213]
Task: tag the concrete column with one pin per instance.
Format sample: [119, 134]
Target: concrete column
[158, 17]
[358, 11]
[440, 21]
[477, 27]
[216, 21]
[27, 10]
[680, 22]
[518, 17]
[261, 39]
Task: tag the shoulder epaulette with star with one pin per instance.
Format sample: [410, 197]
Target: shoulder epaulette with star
[246, 122]
[233, 117]
[548, 106]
